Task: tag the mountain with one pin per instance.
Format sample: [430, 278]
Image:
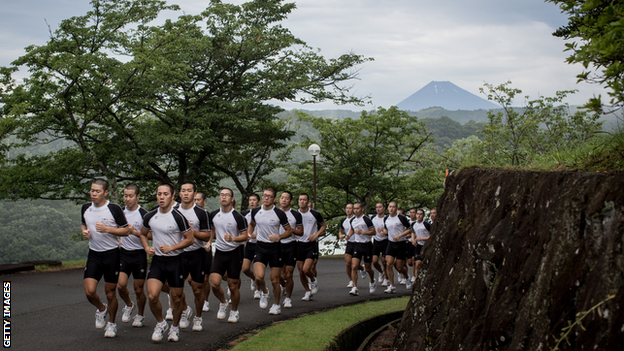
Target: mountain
[446, 95]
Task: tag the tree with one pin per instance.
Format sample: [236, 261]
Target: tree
[187, 100]
[597, 30]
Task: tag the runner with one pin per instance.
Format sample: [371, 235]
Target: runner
[250, 247]
[313, 226]
[289, 246]
[345, 228]
[410, 251]
[194, 256]
[170, 235]
[229, 231]
[103, 222]
[397, 227]
[432, 215]
[380, 243]
[266, 221]
[200, 200]
[420, 233]
[362, 228]
[133, 259]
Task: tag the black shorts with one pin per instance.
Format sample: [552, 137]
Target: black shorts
[227, 262]
[207, 261]
[409, 250]
[289, 253]
[241, 251]
[379, 247]
[105, 263]
[167, 268]
[269, 254]
[193, 263]
[396, 249]
[349, 248]
[305, 251]
[133, 262]
[250, 251]
[363, 251]
[417, 250]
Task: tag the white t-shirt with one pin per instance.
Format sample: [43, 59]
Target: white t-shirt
[232, 223]
[198, 219]
[133, 242]
[167, 229]
[378, 222]
[111, 215]
[365, 224]
[294, 219]
[397, 225]
[268, 222]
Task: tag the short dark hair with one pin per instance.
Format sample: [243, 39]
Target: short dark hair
[231, 191]
[382, 204]
[306, 195]
[132, 187]
[287, 192]
[420, 210]
[271, 189]
[359, 203]
[193, 184]
[169, 185]
[101, 182]
[256, 196]
[203, 196]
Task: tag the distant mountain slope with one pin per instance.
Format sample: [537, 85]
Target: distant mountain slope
[446, 95]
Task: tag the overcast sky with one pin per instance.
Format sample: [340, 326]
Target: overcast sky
[413, 42]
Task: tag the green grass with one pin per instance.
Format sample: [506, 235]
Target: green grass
[315, 331]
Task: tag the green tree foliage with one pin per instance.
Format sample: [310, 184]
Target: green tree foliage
[545, 125]
[595, 34]
[183, 101]
[445, 130]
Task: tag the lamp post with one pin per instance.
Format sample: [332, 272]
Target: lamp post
[314, 151]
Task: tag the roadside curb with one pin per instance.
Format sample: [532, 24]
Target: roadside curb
[354, 336]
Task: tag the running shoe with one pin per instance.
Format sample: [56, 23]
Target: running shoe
[111, 330]
[100, 318]
[413, 278]
[350, 285]
[382, 277]
[174, 334]
[275, 309]
[354, 291]
[222, 310]
[127, 313]
[169, 316]
[233, 317]
[257, 294]
[314, 287]
[283, 289]
[372, 287]
[197, 324]
[287, 302]
[206, 307]
[307, 296]
[408, 285]
[186, 316]
[386, 282]
[253, 285]
[402, 281]
[390, 290]
[264, 300]
[138, 321]
[362, 272]
[159, 331]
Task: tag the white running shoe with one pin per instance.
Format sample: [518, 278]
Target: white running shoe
[233, 317]
[314, 287]
[174, 334]
[381, 278]
[362, 272]
[159, 331]
[386, 282]
[372, 287]
[100, 317]
[138, 321]
[413, 278]
[283, 288]
[257, 294]
[127, 313]
[169, 316]
[111, 330]
[275, 309]
[354, 291]
[307, 296]
[390, 290]
[186, 316]
[408, 285]
[197, 324]
[222, 310]
[350, 285]
[287, 302]
[264, 300]
[253, 285]
[402, 281]
[206, 307]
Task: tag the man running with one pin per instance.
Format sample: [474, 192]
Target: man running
[411, 248]
[193, 257]
[397, 227]
[266, 221]
[289, 245]
[200, 200]
[229, 230]
[345, 228]
[314, 226]
[133, 258]
[432, 214]
[171, 233]
[380, 243]
[103, 222]
[420, 233]
[250, 247]
[362, 228]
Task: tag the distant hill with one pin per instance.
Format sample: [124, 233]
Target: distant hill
[446, 95]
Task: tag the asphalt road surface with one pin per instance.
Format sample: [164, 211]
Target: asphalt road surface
[49, 311]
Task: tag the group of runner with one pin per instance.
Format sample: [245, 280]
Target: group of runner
[264, 236]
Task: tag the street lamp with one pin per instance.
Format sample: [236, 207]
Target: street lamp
[314, 151]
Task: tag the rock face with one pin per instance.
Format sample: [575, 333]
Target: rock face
[516, 258]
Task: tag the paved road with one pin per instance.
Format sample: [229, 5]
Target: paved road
[50, 312]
